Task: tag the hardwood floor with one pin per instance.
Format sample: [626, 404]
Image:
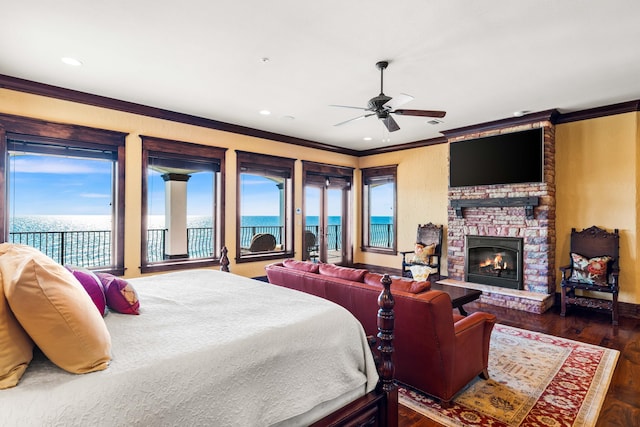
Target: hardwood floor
[622, 403]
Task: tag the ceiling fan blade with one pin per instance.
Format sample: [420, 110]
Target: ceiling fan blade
[421, 113]
[399, 100]
[348, 106]
[355, 119]
[391, 124]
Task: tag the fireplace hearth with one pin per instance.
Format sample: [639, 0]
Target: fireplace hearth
[494, 261]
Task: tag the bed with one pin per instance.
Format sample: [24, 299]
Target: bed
[213, 348]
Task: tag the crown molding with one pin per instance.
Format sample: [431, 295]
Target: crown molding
[542, 116]
[607, 110]
[552, 115]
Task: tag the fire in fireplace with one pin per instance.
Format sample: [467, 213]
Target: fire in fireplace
[495, 261]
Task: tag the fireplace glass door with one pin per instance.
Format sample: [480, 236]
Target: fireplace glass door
[495, 261]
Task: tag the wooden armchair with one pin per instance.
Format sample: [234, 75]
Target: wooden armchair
[429, 236]
[594, 267]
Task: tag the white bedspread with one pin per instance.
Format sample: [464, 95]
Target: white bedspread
[209, 348]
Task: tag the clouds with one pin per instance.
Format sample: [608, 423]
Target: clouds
[33, 164]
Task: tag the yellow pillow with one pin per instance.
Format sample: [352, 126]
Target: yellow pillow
[422, 253]
[55, 310]
[16, 348]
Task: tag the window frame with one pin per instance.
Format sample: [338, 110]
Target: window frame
[284, 166]
[371, 175]
[173, 149]
[68, 135]
[315, 175]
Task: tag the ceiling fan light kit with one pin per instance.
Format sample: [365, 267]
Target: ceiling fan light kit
[383, 106]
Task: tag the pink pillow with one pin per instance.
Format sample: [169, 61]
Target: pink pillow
[92, 285]
[301, 265]
[399, 284]
[121, 296]
[346, 273]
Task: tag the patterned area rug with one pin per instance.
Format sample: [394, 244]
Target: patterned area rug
[536, 380]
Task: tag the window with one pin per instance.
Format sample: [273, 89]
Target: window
[181, 208]
[379, 223]
[265, 207]
[64, 196]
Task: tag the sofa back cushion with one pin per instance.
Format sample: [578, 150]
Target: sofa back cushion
[309, 267]
[346, 273]
[411, 286]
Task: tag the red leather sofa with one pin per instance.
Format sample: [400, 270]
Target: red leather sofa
[436, 351]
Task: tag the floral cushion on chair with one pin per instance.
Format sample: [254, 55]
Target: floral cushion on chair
[423, 253]
[592, 271]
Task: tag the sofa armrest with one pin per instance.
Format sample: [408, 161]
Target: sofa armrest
[474, 320]
[474, 328]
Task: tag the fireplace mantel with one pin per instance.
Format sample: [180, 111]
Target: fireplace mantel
[496, 202]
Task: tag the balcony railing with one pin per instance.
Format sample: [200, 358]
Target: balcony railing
[92, 249]
[381, 235]
[334, 235]
[80, 248]
[199, 243]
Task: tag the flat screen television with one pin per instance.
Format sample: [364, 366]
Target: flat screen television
[508, 158]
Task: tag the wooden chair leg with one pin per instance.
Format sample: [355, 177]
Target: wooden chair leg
[484, 374]
[563, 302]
[614, 309]
[445, 404]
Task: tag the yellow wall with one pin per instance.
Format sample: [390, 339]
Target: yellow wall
[423, 181]
[597, 172]
[597, 184]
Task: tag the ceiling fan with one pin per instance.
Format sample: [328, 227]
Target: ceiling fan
[383, 106]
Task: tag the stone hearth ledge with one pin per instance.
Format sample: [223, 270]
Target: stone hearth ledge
[532, 302]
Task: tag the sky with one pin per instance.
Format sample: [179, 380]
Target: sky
[49, 185]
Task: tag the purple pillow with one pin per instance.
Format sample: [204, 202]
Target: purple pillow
[121, 296]
[92, 285]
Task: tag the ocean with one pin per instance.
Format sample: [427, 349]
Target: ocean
[85, 240]
[33, 223]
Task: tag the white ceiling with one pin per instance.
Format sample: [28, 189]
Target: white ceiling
[478, 60]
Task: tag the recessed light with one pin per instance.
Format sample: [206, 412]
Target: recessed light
[265, 112]
[520, 113]
[71, 61]
[367, 138]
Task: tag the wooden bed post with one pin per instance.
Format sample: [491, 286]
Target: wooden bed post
[386, 320]
[224, 259]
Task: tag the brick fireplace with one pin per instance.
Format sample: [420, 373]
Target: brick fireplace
[524, 212]
[494, 261]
